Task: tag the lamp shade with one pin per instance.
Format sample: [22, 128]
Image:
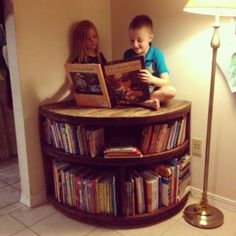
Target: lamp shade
[212, 7]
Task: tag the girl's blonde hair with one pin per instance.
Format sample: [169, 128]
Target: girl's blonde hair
[79, 37]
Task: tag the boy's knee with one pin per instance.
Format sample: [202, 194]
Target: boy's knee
[169, 92]
[172, 92]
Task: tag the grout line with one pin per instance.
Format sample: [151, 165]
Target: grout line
[23, 230]
[8, 205]
[118, 232]
[91, 231]
[40, 220]
[48, 216]
[171, 226]
[9, 184]
[17, 232]
[33, 231]
[15, 187]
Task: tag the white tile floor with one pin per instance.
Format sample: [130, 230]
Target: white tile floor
[19, 220]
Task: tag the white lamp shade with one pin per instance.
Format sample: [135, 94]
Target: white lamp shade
[212, 7]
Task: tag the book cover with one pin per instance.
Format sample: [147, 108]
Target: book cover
[168, 171]
[161, 137]
[151, 184]
[114, 201]
[171, 135]
[146, 136]
[165, 196]
[80, 140]
[183, 131]
[129, 200]
[89, 83]
[139, 192]
[184, 161]
[96, 140]
[184, 185]
[57, 166]
[123, 84]
[64, 137]
[116, 85]
[175, 163]
[154, 136]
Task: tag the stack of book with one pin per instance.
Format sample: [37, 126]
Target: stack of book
[122, 152]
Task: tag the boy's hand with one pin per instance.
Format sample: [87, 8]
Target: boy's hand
[146, 77]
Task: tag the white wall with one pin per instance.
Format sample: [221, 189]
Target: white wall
[185, 39]
[36, 60]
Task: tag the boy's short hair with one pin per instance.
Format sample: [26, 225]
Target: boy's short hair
[141, 21]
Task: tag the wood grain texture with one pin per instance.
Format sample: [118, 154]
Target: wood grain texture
[69, 112]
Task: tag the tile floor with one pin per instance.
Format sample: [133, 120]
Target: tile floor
[19, 220]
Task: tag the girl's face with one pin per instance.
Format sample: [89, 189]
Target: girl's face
[91, 40]
[140, 40]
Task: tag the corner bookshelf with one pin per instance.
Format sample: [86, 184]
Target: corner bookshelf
[117, 122]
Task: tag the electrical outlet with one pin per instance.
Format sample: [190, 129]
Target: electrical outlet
[197, 147]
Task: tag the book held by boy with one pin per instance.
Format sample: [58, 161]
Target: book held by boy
[114, 84]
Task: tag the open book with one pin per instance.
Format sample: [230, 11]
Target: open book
[114, 84]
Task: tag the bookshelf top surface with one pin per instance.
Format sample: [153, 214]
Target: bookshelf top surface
[69, 109]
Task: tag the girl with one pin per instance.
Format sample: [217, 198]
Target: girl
[86, 44]
[85, 48]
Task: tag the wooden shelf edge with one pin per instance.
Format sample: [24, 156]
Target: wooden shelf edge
[70, 113]
[100, 161]
[111, 221]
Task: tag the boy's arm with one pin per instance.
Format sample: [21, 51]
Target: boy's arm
[147, 77]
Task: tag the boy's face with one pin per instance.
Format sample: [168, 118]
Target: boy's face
[140, 40]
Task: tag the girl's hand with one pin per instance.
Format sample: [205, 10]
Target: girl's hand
[146, 77]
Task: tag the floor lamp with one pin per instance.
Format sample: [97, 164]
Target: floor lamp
[202, 214]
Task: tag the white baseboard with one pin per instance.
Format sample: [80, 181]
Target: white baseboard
[33, 201]
[215, 200]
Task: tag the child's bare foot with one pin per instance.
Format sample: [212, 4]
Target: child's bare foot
[153, 104]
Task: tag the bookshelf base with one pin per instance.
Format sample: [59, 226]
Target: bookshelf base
[111, 221]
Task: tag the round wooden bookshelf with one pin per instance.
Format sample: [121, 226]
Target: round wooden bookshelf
[120, 122]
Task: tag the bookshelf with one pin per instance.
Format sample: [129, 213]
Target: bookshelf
[122, 124]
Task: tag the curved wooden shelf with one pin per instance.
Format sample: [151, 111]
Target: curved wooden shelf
[68, 112]
[100, 161]
[131, 118]
[112, 221]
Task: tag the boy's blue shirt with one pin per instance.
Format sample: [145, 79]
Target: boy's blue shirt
[154, 60]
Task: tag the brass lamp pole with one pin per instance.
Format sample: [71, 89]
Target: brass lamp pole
[202, 214]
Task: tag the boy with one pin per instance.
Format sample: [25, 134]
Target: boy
[156, 73]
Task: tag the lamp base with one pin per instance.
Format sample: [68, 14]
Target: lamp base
[203, 216]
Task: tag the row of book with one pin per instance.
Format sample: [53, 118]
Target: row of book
[160, 137]
[143, 191]
[85, 188]
[75, 139]
[159, 186]
[89, 141]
